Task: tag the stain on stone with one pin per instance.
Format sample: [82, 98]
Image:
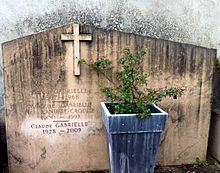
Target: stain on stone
[44, 153]
[13, 59]
[192, 60]
[34, 165]
[167, 58]
[177, 119]
[57, 46]
[37, 59]
[17, 158]
[62, 76]
[199, 105]
[182, 60]
[17, 134]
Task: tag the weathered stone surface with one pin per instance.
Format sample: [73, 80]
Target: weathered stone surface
[41, 90]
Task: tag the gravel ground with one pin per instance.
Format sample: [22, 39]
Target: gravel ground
[168, 169]
[188, 169]
[176, 169]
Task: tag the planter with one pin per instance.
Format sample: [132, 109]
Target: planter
[132, 142]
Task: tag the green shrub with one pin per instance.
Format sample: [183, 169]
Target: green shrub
[129, 91]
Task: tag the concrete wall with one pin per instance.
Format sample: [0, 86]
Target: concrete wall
[185, 21]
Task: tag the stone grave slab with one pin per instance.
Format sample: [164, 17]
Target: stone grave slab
[53, 105]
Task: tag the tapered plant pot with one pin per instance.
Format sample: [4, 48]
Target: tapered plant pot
[133, 142]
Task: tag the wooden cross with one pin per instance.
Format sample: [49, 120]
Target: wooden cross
[76, 37]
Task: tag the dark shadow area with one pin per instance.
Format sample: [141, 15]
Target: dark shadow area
[3, 144]
[216, 90]
[215, 114]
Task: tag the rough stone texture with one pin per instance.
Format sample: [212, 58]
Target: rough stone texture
[38, 70]
[186, 21]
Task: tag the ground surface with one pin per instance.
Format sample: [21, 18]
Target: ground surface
[189, 169]
[169, 169]
[177, 169]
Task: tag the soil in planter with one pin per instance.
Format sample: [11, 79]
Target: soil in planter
[111, 108]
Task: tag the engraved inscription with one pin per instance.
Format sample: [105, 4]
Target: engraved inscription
[62, 103]
[58, 126]
[60, 112]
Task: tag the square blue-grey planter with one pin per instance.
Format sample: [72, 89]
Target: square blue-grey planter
[133, 142]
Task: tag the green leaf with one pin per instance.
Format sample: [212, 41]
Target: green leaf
[130, 79]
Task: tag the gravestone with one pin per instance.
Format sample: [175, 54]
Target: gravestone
[53, 104]
[53, 120]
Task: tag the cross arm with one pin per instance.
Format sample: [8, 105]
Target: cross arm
[71, 37]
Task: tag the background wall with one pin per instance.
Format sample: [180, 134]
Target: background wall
[183, 20]
[187, 21]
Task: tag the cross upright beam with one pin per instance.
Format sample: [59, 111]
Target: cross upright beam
[76, 37]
